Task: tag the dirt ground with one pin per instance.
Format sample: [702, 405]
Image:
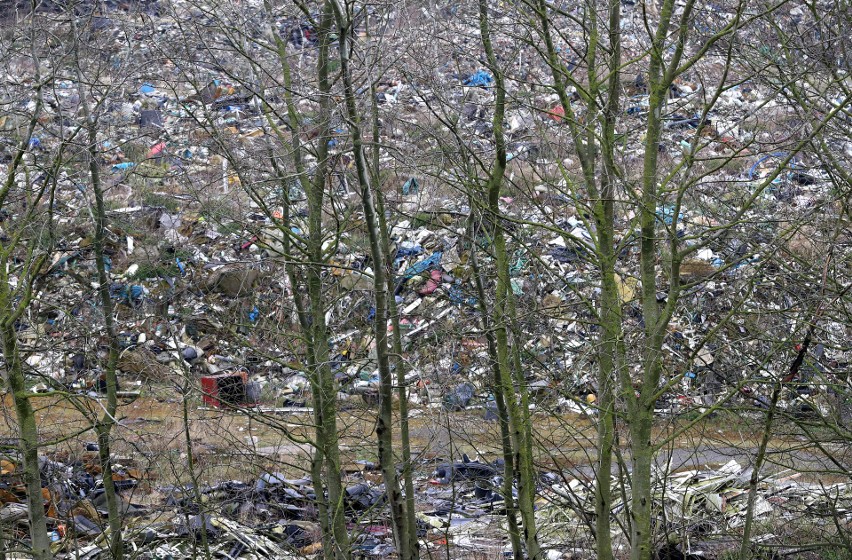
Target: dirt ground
[151, 437]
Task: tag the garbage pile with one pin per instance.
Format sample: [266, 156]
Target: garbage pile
[701, 504]
[271, 517]
[460, 504]
[199, 287]
[204, 306]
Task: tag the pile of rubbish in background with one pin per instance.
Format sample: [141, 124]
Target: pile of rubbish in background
[201, 295]
[200, 291]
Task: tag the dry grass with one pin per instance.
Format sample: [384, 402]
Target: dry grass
[151, 437]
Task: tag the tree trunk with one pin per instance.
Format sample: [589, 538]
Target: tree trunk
[410, 521]
[323, 386]
[641, 416]
[190, 465]
[10, 311]
[767, 436]
[513, 387]
[760, 457]
[384, 430]
[325, 462]
[611, 357]
[641, 539]
[28, 433]
[608, 366]
[499, 400]
[104, 425]
[512, 380]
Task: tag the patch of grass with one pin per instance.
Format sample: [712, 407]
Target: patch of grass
[151, 170]
[231, 228]
[836, 553]
[156, 199]
[164, 266]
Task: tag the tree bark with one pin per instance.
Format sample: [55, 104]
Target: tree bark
[500, 401]
[410, 520]
[384, 424]
[28, 433]
[103, 427]
[310, 309]
[512, 379]
[10, 311]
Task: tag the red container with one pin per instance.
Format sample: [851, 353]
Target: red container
[224, 389]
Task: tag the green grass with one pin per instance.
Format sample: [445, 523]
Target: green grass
[155, 199]
[164, 266]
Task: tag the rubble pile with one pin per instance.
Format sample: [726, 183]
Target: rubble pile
[698, 504]
[202, 229]
[200, 285]
[459, 505]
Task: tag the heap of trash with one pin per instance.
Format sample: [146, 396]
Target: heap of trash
[196, 272]
[460, 504]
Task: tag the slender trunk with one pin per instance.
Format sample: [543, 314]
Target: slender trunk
[322, 386]
[503, 311]
[641, 538]
[311, 313]
[104, 425]
[610, 369]
[384, 430]
[28, 433]
[611, 348]
[384, 427]
[317, 462]
[323, 383]
[641, 410]
[759, 459]
[325, 392]
[410, 519]
[767, 432]
[329, 442]
[611, 357]
[608, 360]
[10, 310]
[502, 412]
[190, 465]
[526, 466]
[518, 420]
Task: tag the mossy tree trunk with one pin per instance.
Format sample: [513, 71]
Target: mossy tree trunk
[512, 381]
[104, 425]
[400, 521]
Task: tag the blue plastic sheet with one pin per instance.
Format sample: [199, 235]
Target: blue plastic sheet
[254, 314]
[410, 186]
[426, 264]
[666, 214]
[131, 295]
[123, 166]
[409, 251]
[480, 79]
[457, 296]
